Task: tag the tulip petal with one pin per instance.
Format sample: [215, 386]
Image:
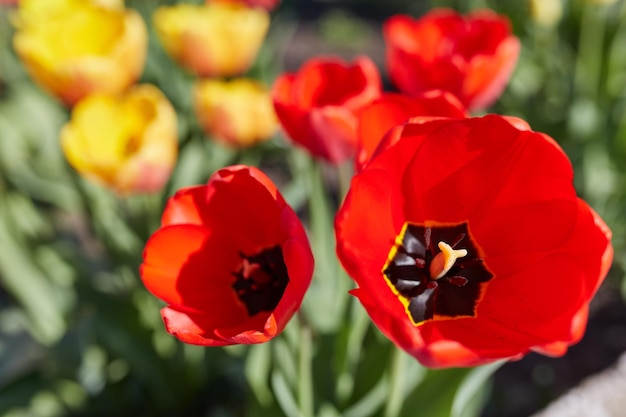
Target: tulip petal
[390, 110]
[190, 328]
[175, 270]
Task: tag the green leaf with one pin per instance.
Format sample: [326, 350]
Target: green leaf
[284, 396]
[30, 287]
[467, 397]
[285, 361]
[349, 349]
[257, 370]
[406, 374]
[434, 395]
[371, 402]
[325, 303]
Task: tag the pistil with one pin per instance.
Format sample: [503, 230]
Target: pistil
[444, 260]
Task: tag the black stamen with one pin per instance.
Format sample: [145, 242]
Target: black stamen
[455, 294]
[261, 280]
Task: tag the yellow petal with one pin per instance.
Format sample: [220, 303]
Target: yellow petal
[33, 12]
[238, 112]
[128, 142]
[216, 39]
[88, 49]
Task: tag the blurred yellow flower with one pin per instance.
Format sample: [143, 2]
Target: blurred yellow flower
[217, 39]
[82, 49]
[128, 142]
[546, 12]
[36, 11]
[239, 113]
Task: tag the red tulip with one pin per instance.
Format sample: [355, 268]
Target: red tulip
[391, 109]
[318, 105]
[231, 260]
[471, 56]
[468, 243]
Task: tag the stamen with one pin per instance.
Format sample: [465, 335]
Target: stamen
[444, 260]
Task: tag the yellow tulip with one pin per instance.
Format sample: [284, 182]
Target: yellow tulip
[128, 143]
[82, 48]
[217, 39]
[36, 11]
[238, 113]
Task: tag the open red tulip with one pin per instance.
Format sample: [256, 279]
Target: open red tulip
[318, 106]
[231, 260]
[468, 242]
[470, 56]
[392, 109]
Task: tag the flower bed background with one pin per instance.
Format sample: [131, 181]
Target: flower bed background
[80, 335]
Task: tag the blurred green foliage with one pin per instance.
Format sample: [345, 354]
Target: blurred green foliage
[79, 335]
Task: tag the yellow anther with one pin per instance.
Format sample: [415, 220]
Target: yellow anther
[444, 260]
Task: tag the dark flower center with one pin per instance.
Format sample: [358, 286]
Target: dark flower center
[436, 271]
[261, 280]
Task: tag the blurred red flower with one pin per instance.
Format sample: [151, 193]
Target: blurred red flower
[392, 109]
[231, 259]
[318, 105]
[471, 56]
[468, 243]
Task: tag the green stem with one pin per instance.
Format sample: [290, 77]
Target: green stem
[305, 374]
[590, 50]
[357, 330]
[345, 172]
[396, 387]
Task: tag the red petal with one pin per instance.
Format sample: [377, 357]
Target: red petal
[197, 329]
[187, 206]
[389, 316]
[558, 348]
[281, 90]
[334, 133]
[366, 216]
[257, 329]
[189, 328]
[487, 76]
[243, 208]
[589, 243]
[471, 167]
[390, 110]
[538, 301]
[188, 267]
[293, 118]
[299, 261]
[331, 82]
